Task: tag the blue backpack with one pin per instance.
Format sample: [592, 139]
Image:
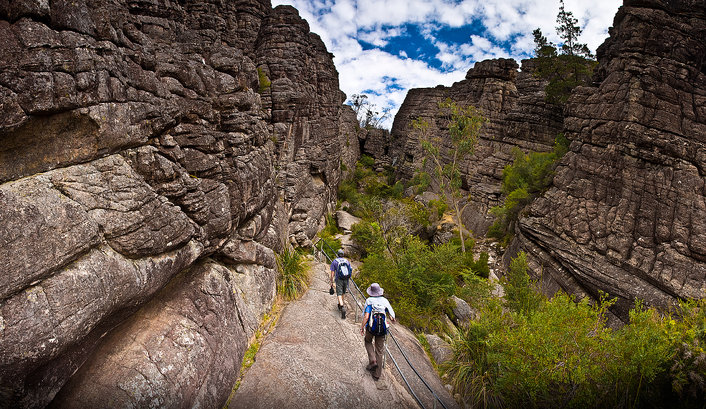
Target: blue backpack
[377, 325]
[343, 270]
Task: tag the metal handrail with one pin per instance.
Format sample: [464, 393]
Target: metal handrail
[419, 401]
[391, 335]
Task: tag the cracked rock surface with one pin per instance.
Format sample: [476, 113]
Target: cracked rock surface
[627, 212]
[148, 176]
[511, 100]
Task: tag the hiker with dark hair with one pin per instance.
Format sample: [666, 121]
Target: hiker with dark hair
[340, 271]
[374, 327]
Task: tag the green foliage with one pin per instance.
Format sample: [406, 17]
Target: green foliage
[480, 267]
[438, 208]
[566, 70]
[521, 295]
[418, 278]
[367, 186]
[347, 191]
[263, 80]
[331, 228]
[463, 124]
[368, 236]
[293, 274]
[523, 180]
[475, 290]
[564, 73]
[421, 181]
[559, 353]
[367, 161]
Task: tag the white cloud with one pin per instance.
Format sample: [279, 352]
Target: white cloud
[379, 37]
[505, 31]
[375, 71]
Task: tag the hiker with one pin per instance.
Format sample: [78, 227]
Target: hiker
[341, 269]
[374, 327]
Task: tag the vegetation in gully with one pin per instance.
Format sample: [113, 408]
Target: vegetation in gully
[523, 350]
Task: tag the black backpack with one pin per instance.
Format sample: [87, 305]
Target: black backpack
[343, 270]
[377, 325]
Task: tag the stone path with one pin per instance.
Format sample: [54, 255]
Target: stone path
[315, 359]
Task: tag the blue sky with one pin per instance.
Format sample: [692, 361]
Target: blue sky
[382, 48]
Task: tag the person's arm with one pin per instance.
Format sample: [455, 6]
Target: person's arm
[332, 272]
[366, 316]
[365, 321]
[391, 312]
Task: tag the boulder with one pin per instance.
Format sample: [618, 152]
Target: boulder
[440, 350]
[463, 312]
[346, 220]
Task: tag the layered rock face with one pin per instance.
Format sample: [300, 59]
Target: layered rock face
[512, 101]
[148, 175]
[627, 212]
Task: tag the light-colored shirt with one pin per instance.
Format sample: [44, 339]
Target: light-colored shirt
[379, 304]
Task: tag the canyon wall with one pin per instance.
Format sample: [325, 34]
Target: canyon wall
[511, 100]
[627, 212]
[154, 157]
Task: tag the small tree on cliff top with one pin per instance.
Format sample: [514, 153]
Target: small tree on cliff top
[568, 66]
[464, 124]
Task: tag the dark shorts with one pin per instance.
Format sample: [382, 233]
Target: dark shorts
[341, 286]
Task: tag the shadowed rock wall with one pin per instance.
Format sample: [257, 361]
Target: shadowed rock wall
[627, 213]
[513, 102]
[147, 179]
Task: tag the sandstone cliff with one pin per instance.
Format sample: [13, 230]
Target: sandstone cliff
[512, 100]
[154, 156]
[627, 212]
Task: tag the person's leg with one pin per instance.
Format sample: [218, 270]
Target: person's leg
[379, 351]
[341, 288]
[370, 349]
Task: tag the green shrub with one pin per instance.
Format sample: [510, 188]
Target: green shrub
[367, 161]
[563, 355]
[480, 266]
[438, 207]
[520, 293]
[293, 274]
[331, 228]
[263, 80]
[347, 192]
[528, 176]
[368, 236]
[421, 182]
[418, 278]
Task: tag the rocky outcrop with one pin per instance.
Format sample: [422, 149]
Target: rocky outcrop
[314, 133]
[512, 101]
[148, 176]
[627, 212]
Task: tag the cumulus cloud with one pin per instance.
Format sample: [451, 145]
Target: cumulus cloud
[385, 78]
[501, 28]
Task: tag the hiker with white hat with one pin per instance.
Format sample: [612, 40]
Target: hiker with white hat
[374, 327]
